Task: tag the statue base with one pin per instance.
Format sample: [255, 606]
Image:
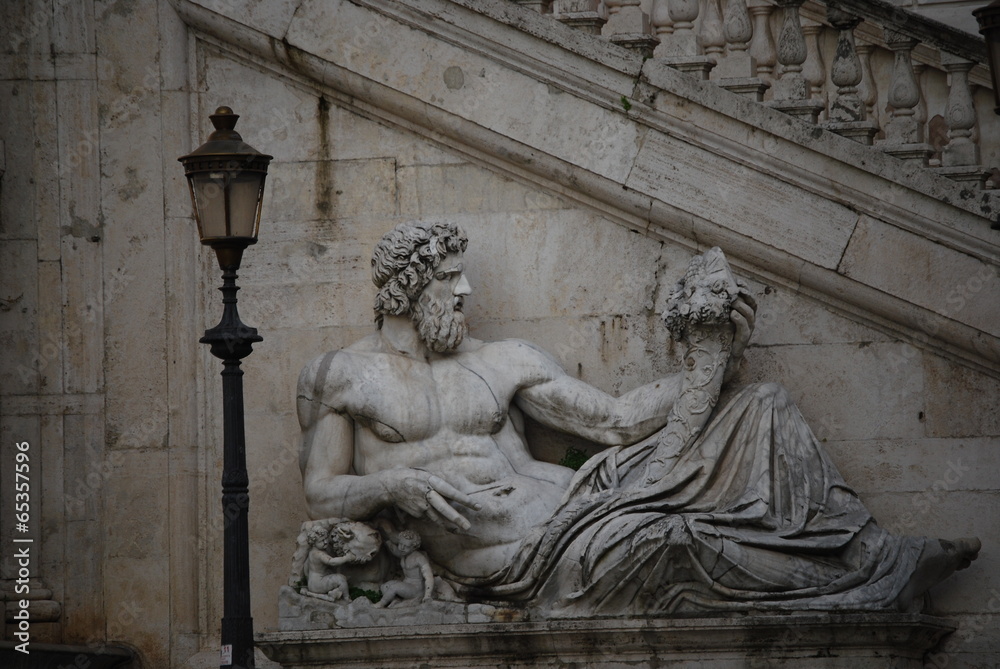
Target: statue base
[302, 613]
[803, 641]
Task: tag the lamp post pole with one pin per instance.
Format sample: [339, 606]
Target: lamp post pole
[226, 178]
[231, 341]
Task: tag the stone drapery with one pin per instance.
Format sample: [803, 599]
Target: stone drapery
[753, 516]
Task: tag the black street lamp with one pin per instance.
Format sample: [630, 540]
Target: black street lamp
[226, 177]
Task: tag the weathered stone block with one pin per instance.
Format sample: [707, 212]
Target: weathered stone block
[328, 189]
[784, 316]
[960, 402]
[529, 280]
[433, 190]
[846, 391]
[698, 182]
[917, 465]
[17, 213]
[971, 283]
[271, 17]
[31, 352]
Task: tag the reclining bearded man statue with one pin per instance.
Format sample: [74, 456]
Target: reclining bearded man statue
[692, 507]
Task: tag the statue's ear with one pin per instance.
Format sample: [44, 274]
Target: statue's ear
[345, 532]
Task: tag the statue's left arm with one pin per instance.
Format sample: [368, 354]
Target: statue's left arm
[570, 405]
[558, 400]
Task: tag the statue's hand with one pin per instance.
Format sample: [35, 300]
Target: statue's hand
[425, 495]
[742, 316]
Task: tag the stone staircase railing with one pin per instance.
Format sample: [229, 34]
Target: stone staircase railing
[863, 69]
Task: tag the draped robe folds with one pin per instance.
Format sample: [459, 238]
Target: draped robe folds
[753, 515]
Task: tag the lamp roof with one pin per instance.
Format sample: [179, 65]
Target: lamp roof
[988, 16]
[225, 141]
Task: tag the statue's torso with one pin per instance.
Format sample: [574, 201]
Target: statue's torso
[450, 416]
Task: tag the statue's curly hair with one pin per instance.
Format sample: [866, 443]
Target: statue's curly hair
[405, 259]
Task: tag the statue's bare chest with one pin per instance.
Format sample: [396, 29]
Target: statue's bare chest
[400, 399]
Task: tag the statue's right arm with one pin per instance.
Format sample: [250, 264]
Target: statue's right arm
[332, 489]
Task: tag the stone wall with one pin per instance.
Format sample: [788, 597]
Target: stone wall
[104, 291]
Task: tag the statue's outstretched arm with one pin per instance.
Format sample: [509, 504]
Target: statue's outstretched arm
[568, 404]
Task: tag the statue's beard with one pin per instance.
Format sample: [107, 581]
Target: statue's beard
[440, 325]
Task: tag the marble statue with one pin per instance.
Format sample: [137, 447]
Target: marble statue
[418, 578]
[694, 505]
[324, 548]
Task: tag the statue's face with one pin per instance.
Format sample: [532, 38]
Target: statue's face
[449, 284]
[438, 314]
[407, 545]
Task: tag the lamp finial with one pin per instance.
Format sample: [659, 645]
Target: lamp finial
[224, 119]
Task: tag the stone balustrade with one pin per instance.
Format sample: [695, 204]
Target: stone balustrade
[865, 70]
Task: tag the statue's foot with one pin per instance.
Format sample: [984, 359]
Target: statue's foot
[939, 560]
[964, 550]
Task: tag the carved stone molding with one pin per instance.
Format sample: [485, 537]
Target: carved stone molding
[805, 641]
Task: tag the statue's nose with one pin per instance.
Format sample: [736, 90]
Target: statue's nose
[463, 287]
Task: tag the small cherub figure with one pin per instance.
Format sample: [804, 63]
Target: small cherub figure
[418, 579]
[322, 579]
[349, 542]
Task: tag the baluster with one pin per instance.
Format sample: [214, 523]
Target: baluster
[663, 25]
[920, 109]
[629, 26]
[960, 156]
[813, 69]
[737, 72]
[904, 136]
[682, 14]
[762, 47]
[848, 114]
[713, 39]
[680, 49]
[585, 15]
[867, 89]
[791, 90]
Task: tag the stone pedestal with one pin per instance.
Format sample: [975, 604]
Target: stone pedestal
[802, 641]
[860, 131]
[630, 27]
[973, 174]
[751, 87]
[805, 109]
[696, 66]
[912, 152]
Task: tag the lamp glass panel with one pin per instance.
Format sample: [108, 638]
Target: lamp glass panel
[244, 193]
[209, 189]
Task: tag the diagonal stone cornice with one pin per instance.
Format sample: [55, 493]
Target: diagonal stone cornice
[653, 149]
